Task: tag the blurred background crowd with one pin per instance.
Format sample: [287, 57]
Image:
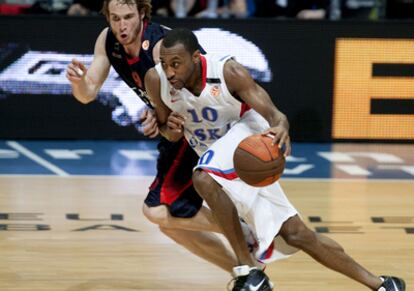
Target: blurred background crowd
[300, 9]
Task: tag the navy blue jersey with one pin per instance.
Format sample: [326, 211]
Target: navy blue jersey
[133, 71]
[173, 184]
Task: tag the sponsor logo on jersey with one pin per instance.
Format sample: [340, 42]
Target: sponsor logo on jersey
[215, 91]
[145, 45]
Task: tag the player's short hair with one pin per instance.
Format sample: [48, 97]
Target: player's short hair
[142, 5]
[183, 36]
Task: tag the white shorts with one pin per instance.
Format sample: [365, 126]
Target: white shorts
[264, 209]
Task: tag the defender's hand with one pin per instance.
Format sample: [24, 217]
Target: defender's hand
[176, 121]
[149, 123]
[76, 71]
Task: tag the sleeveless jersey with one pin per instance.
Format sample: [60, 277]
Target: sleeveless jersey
[210, 115]
[133, 71]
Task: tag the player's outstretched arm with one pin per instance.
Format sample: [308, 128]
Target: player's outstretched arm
[170, 123]
[85, 82]
[240, 83]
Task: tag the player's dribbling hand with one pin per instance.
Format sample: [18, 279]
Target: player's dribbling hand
[76, 71]
[281, 138]
[149, 123]
[175, 122]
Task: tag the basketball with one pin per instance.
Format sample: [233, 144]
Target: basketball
[257, 162]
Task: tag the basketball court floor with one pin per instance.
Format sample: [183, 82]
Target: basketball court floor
[70, 217]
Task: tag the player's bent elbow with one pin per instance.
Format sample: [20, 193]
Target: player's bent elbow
[176, 138]
[85, 99]
[169, 135]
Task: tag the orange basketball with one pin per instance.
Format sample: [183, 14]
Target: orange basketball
[257, 162]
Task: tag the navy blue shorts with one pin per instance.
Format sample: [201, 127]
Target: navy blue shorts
[173, 184]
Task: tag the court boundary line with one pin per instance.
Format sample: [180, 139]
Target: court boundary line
[153, 177]
[37, 159]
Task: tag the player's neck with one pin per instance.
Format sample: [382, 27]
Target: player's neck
[132, 50]
[195, 85]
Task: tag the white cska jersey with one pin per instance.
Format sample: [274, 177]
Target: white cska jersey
[210, 115]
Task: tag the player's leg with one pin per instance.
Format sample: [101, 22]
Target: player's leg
[206, 245]
[172, 201]
[247, 275]
[200, 224]
[291, 231]
[182, 220]
[326, 251]
[218, 162]
[185, 230]
[225, 214]
[174, 205]
[202, 221]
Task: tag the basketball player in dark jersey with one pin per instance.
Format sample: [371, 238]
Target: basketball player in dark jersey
[131, 45]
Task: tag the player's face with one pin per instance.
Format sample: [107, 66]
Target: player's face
[125, 22]
[178, 64]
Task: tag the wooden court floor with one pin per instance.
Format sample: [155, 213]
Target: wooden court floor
[83, 233]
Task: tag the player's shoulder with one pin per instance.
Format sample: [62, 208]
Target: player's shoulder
[151, 77]
[231, 65]
[233, 72]
[104, 32]
[156, 25]
[152, 84]
[155, 30]
[102, 36]
[100, 43]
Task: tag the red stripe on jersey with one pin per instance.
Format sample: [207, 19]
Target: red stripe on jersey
[204, 71]
[132, 61]
[227, 176]
[268, 253]
[154, 183]
[244, 108]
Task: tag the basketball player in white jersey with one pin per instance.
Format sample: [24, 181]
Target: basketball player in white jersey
[208, 99]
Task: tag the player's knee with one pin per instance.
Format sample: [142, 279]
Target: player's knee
[297, 234]
[300, 238]
[157, 215]
[202, 183]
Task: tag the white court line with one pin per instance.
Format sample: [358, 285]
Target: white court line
[31, 155]
[128, 177]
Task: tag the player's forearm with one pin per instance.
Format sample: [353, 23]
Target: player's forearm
[277, 118]
[85, 92]
[170, 134]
